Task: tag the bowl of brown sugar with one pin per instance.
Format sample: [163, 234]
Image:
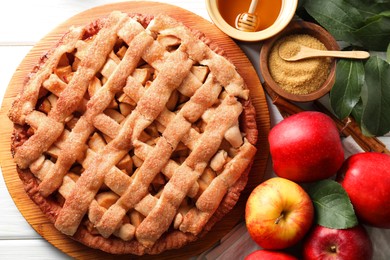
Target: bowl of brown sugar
[303, 80]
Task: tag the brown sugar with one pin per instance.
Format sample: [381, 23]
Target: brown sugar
[288, 49]
[298, 77]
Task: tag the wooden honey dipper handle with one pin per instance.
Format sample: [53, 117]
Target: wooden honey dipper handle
[252, 7]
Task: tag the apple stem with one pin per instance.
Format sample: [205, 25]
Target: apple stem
[333, 249]
[347, 123]
[279, 218]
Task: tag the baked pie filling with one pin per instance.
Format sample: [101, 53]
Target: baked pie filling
[133, 135]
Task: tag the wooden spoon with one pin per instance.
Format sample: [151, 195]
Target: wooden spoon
[247, 22]
[292, 51]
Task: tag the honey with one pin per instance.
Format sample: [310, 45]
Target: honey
[267, 11]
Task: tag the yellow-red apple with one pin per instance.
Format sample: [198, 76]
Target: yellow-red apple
[306, 147]
[278, 213]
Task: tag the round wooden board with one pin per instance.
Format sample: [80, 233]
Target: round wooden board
[32, 213]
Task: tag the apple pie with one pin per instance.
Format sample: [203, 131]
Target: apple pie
[134, 134]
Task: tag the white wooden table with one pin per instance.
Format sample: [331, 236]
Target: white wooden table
[23, 23]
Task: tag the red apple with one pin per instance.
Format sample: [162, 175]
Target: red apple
[269, 255]
[278, 213]
[343, 244]
[366, 179]
[306, 147]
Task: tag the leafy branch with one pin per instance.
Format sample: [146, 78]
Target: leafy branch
[362, 88]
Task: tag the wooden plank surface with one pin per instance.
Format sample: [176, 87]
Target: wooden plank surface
[33, 214]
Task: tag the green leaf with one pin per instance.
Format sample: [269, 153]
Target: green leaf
[386, 13]
[388, 53]
[358, 22]
[340, 18]
[357, 115]
[332, 204]
[357, 111]
[345, 93]
[375, 34]
[376, 106]
[369, 8]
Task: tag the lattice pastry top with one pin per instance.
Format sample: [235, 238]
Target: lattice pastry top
[128, 134]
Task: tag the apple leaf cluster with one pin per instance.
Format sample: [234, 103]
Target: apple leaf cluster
[358, 22]
[362, 88]
[332, 205]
